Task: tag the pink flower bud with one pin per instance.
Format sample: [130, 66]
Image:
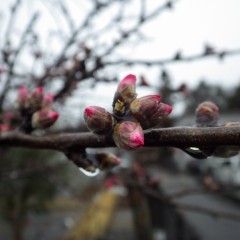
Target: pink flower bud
[207, 114]
[44, 118]
[125, 94]
[128, 135]
[107, 160]
[98, 120]
[7, 117]
[149, 110]
[22, 99]
[47, 100]
[4, 127]
[36, 98]
[2, 69]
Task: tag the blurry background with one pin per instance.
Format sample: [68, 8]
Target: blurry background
[186, 51]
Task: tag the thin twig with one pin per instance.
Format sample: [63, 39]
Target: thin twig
[14, 9]
[180, 137]
[134, 29]
[16, 53]
[171, 60]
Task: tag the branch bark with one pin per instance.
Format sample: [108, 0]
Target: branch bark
[180, 137]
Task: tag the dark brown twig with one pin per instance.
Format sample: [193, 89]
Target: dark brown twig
[172, 60]
[180, 137]
[16, 53]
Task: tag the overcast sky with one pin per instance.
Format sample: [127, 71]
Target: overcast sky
[190, 25]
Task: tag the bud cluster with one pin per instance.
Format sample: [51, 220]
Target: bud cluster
[145, 112]
[36, 107]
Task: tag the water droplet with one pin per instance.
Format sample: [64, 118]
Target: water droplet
[90, 174]
[195, 149]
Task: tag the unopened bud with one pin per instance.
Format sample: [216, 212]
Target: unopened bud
[125, 94]
[44, 118]
[7, 117]
[98, 120]
[47, 100]
[149, 110]
[22, 99]
[207, 114]
[107, 160]
[128, 135]
[4, 127]
[2, 69]
[36, 98]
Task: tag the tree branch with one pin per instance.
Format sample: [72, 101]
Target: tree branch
[220, 54]
[180, 137]
[16, 54]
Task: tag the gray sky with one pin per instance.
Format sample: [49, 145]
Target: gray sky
[190, 25]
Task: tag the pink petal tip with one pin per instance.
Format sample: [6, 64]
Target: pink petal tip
[54, 115]
[169, 109]
[89, 112]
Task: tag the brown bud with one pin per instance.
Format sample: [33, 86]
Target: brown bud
[207, 114]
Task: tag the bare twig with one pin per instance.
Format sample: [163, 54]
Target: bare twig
[14, 9]
[180, 137]
[67, 15]
[220, 54]
[16, 53]
[143, 19]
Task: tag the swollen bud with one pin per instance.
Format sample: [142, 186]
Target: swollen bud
[107, 160]
[128, 135]
[125, 94]
[98, 120]
[22, 98]
[47, 100]
[4, 127]
[44, 118]
[36, 98]
[207, 114]
[149, 110]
